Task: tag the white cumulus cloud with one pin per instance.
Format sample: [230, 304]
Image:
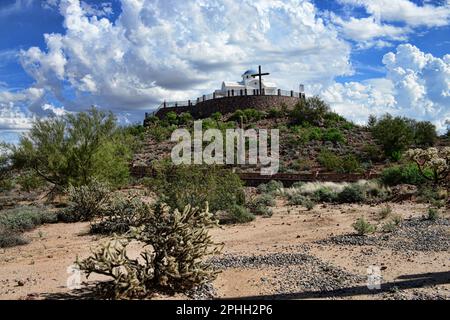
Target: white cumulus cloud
[406, 11]
[174, 50]
[389, 20]
[416, 85]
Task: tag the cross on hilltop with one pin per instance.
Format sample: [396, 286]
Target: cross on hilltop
[259, 75]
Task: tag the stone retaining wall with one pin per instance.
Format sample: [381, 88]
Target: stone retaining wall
[230, 104]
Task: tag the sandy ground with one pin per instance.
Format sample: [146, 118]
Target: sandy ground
[39, 269]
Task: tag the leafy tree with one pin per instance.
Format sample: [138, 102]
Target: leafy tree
[74, 149]
[312, 111]
[424, 134]
[372, 121]
[394, 134]
[399, 133]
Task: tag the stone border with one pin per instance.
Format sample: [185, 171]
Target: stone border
[231, 104]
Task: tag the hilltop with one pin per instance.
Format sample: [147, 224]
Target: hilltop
[312, 137]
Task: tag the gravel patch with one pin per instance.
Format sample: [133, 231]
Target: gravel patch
[294, 272]
[420, 235]
[204, 292]
[411, 235]
[254, 261]
[412, 295]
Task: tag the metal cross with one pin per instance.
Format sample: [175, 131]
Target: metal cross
[259, 75]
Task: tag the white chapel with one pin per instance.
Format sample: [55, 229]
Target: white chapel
[250, 81]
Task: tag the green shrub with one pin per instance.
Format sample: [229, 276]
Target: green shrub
[152, 120]
[330, 161]
[404, 174]
[10, 238]
[363, 227]
[171, 117]
[428, 194]
[432, 214]
[397, 219]
[25, 218]
[350, 164]
[375, 191]
[372, 152]
[275, 113]
[260, 204]
[86, 202]
[298, 184]
[217, 116]
[185, 118]
[388, 227]
[302, 165]
[121, 213]
[325, 194]
[385, 212]
[270, 187]
[172, 260]
[352, 194]
[29, 181]
[13, 222]
[265, 199]
[309, 204]
[135, 130]
[6, 184]
[247, 115]
[333, 119]
[262, 211]
[297, 199]
[238, 214]
[333, 135]
[160, 133]
[306, 134]
[347, 125]
[179, 186]
[313, 111]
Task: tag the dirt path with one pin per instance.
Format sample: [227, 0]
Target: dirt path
[293, 264]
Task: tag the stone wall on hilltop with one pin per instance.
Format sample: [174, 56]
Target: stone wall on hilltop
[230, 104]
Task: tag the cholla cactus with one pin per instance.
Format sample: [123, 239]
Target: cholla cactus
[434, 160]
[175, 244]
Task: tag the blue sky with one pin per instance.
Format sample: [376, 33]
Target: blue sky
[362, 56]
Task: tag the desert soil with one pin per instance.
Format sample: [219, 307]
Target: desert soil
[291, 255]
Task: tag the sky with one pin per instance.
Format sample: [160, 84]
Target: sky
[362, 56]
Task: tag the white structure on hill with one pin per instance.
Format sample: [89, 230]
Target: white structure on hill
[250, 82]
